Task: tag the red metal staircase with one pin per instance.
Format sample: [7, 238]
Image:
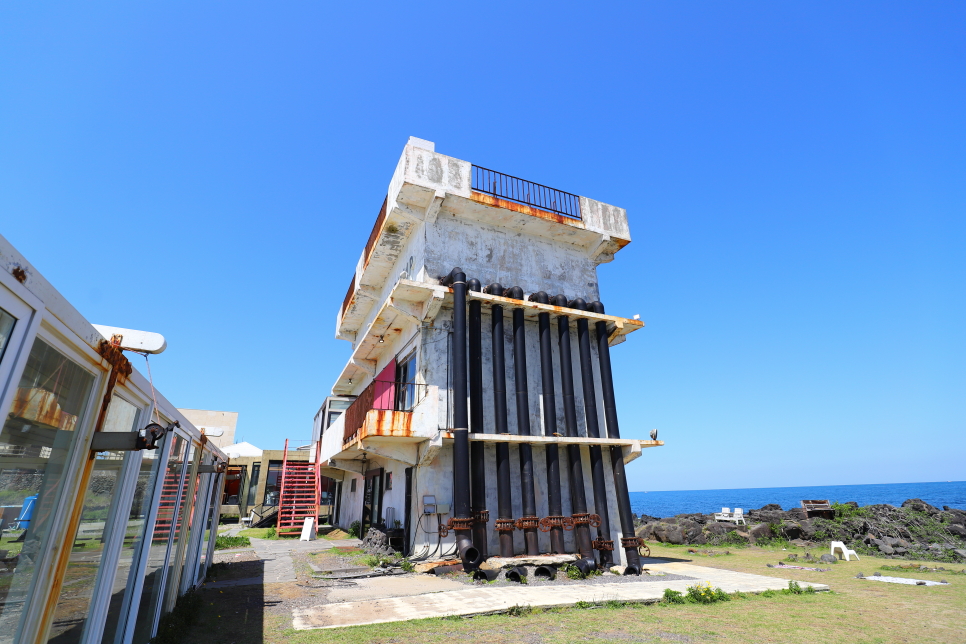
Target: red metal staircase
[298, 496]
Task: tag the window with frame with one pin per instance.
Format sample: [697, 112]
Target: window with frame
[406, 382]
[36, 442]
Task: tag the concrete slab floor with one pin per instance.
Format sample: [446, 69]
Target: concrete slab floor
[383, 587]
[477, 600]
[278, 564]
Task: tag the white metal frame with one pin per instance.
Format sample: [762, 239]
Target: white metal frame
[114, 532]
[33, 623]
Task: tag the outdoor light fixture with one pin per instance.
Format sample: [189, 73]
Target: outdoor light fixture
[381, 341]
[147, 438]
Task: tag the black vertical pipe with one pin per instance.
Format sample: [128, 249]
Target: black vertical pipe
[461, 441]
[503, 487]
[409, 507]
[529, 517]
[554, 502]
[593, 431]
[477, 453]
[616, 453]
[578, 497]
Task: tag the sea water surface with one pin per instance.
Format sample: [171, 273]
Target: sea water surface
[668, 504]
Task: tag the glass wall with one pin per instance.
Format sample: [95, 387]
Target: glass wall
[157, 553]
[125, 582]
[186, 507]
[253, 483]
[100, 511]
[273, 483]
[50, 402]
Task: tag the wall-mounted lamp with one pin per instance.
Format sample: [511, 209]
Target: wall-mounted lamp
[381, 340]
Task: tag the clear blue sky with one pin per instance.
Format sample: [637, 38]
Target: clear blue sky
[794, 174]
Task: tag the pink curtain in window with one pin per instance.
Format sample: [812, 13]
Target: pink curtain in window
[384, 390]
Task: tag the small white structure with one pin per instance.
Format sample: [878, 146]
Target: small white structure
[308, 530]
[240, 450]
[843, 551]
[737, 517]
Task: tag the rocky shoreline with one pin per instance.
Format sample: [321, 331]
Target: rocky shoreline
[916, 530]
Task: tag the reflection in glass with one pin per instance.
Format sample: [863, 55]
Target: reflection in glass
[133, 538]
[100, 510]
[253, 484]
[273, 483]
[176, 560]
[160, 539]
[35, 444]
[7, 322]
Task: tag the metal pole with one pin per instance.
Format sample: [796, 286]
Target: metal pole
[603, 544]
[630, 542]
[462, 521]
[529, 521]
[555, 522]
[477, 448]
[578, 497]
[504, 524]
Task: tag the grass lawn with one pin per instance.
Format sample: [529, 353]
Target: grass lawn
[854, 612]
[259, 533]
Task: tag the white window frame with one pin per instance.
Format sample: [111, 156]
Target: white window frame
[34, 623]
[115, 529]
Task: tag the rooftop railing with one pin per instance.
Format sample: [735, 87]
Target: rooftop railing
[525, 192]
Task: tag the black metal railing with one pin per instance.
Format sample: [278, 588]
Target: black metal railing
[526, 192]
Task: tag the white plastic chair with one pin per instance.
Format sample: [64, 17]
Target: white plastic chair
[843, 551]
[724, 515]
[739, 517]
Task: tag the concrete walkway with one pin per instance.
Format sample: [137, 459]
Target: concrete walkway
[278, 564]
[478, 600]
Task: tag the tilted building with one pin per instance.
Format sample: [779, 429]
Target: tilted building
[476, 413]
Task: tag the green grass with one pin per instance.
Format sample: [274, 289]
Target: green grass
[259, 533]
[855, 611]
[223, 542]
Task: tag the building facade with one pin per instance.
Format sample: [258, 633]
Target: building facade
[109, 494]
[217, 426]
[477, 407]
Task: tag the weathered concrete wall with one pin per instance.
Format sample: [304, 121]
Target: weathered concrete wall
[491, 254]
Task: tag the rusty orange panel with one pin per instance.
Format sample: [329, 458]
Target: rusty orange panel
[384, 422]
[496, 202]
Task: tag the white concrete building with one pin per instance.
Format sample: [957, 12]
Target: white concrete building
[387, 434]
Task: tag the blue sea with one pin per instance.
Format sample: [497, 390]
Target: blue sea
[668, 504]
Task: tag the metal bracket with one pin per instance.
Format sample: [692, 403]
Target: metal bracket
[116, 442]
[213, 468]
[146, 438]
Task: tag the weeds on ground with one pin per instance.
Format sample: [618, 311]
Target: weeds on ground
[354, 529]
[519, 611]
[793, 589]
[731, 538]
[573, 572]
[222, 542]
[703, 593]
